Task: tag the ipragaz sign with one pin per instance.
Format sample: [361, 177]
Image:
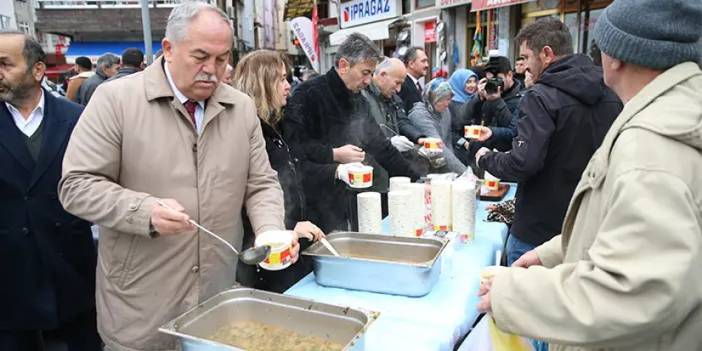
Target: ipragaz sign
[357, 12]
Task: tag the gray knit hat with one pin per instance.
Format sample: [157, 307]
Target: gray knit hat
[658, 34]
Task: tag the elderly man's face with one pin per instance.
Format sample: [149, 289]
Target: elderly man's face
[356, 77]
[17, 80]
[389, 82]
[110, 71]
[198, 62]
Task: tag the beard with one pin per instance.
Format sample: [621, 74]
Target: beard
[17, 93]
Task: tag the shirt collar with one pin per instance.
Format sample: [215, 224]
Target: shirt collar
[39, 109]
[182, 98]
[415, 80]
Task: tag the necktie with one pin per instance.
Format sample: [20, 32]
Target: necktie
[419, 87]
[190, 106]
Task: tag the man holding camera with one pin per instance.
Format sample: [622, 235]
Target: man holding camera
[563, 119]
[494, 107]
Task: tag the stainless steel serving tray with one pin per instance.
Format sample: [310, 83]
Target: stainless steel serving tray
[343, 325]
[379, 263]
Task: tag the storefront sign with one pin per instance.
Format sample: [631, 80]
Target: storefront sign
[480, 5]
[430, 32]
[356, 12]
[303, 29]
[451, 3]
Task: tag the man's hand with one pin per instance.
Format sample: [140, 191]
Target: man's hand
[479, 154]
[295, 249]
[348, 154]
[342, 171]
[485, 134]
[309, 230]
[484, 95]
[484, 305]
[170, 221]
[527, 260]
[401, 143]
[528, 79]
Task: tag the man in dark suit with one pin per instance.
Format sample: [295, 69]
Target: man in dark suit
[417, 64]
[47, 256]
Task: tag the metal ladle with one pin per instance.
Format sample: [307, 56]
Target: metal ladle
[252, 256]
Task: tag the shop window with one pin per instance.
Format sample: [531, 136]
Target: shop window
[421, 4]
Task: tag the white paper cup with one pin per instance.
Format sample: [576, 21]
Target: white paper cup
[360, 177]
[280, 242]
[471, 132]
[491, 182]
[433, 144]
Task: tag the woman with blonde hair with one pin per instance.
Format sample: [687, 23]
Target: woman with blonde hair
[262, 75]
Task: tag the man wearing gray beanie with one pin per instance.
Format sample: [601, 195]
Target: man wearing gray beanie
[624, 273]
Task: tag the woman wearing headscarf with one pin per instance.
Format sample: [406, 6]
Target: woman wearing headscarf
[262, 75]
[432, 118]
[464, 85]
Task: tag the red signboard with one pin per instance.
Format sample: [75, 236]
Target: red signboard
[480, 5]
[430, 32]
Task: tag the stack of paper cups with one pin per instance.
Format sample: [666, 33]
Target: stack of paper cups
[398, 183]
[417, 206]
[370, 216]
[464, 206]
[441, 204]
[401, 222]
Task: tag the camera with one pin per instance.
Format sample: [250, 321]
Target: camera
[492, 84]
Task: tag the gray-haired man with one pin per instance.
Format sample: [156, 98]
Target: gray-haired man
[107, 66]
[172, 133]
[331, 121]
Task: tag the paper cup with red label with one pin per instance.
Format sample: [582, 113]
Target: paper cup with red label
[472, 132]
[360, 176]
[280, 242]
[491, 182]
[433, 144]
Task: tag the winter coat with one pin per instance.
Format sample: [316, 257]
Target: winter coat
[499, 115]
[47, 256]
[74, 84]
[86, 90]
[135, 143]
[287, 164]
[563, 119]
[437, 125]
[123, 72]
[321, 115]
[624, 274]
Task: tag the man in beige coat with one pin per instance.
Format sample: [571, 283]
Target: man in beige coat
[137, 142]
[624, 274]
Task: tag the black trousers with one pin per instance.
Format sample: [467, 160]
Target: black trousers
[79, 334]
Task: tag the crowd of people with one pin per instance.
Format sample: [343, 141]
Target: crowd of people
[606, 230]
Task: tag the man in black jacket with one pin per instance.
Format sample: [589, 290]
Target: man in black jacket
[417, 65]
[495, 110]
[47, 256]
[132, 62]
[330, 121]
[563, 120]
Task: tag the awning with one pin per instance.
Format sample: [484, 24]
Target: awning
[374, 31]
[95, 49]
